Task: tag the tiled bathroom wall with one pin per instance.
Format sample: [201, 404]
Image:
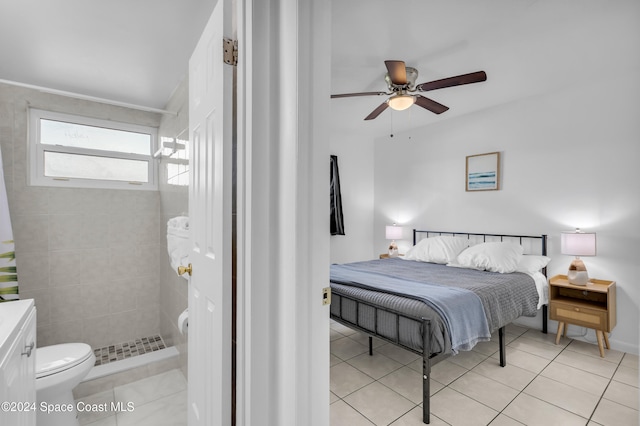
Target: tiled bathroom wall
[174, 201]
[89, 257]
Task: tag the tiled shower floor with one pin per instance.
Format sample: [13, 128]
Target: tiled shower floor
[129, 349]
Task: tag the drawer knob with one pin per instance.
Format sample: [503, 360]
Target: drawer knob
[577, 309]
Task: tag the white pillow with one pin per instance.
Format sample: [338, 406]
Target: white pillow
[502, 257]
[531, 263]
[441, 249]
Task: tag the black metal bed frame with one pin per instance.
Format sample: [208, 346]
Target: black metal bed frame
[429, 359]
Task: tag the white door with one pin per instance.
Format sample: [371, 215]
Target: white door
[210, 114]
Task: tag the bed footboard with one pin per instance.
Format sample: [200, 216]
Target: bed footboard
[425, 326]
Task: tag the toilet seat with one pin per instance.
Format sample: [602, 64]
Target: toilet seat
[57, 358]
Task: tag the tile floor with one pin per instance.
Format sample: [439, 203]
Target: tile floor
[159, 400]
[542, 384]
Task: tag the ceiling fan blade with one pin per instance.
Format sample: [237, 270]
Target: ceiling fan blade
[349, 95]
[430, 104]
[397, 71]
[474, 77]
[376, 112]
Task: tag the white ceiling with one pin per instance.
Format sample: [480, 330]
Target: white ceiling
[526, 47]
[132, 51]
[137, 51]
[439, 38]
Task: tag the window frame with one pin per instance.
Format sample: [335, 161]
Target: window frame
[38, 149]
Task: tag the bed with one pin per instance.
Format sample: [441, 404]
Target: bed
[439, 300]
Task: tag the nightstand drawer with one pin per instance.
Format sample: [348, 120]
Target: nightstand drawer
[579, 315]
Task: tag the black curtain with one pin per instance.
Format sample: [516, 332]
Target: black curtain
[337, 223]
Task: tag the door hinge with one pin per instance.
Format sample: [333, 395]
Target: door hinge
[326, 296]
[230, 51]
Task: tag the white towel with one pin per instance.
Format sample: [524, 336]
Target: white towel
[178, 245]
[179, 222]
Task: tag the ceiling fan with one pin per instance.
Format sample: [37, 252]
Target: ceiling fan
[401, 81]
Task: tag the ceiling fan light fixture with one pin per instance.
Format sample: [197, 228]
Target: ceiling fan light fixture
[401, 102]
[401, 86]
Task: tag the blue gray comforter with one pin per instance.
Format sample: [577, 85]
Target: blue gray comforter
[469, 303]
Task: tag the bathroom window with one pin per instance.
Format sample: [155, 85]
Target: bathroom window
[76, 151]
[176, 159]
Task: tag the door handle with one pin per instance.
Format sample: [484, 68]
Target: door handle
[183, 269]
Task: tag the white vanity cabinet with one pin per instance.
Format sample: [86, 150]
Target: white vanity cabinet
[18, 363]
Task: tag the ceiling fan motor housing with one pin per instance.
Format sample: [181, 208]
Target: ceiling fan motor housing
[412, 76]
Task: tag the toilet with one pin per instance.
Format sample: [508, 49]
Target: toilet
[59, 369]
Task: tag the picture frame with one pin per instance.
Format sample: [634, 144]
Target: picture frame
[483, 172]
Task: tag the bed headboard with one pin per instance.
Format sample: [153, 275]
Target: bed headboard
[532, 244]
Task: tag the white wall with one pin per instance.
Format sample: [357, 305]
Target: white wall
[569, 158]
[355, 164]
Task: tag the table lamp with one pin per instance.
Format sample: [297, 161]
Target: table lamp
[578, 244]
[393, 233]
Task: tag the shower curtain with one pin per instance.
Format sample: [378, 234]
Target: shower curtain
[8, 272]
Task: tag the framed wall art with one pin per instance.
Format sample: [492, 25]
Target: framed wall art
[483, 172]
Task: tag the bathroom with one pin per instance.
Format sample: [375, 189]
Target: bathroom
[95, 261]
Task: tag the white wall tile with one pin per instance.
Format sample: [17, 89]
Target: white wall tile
[66, 304]
[148, 323]
[66, 332]
[72, 244]
[122, 295]
[95, 230]
[29, 200]
[33, 270]
[96, 266]
[95, 300]
[96, 331]
[65, 266]
[123, 326]
[65, 231]
[42, 300]
[31, 233]
[96, 201]
[64, 201]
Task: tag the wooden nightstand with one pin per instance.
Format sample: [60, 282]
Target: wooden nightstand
[386, 256]
[591, 306]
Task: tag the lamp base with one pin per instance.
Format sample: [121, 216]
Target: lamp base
[393, 249]
[577, 274]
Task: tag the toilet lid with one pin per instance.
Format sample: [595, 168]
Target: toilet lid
[56, 358]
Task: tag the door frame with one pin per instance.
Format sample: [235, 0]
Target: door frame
[283, 88]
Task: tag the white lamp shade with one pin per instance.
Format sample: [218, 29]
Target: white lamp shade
[393, 232]
[401, 102]
[578, 243]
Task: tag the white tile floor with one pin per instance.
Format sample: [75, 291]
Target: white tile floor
[159, 400]
[542, 384]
